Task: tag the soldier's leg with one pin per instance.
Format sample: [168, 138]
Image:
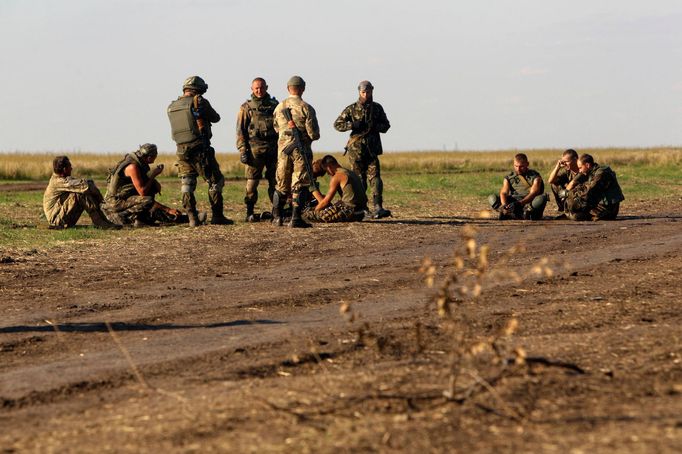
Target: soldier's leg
[285, 168]
[271, 172]
[188, 184]
[135, 208]
[560, 202]
[359, 167]
[299, 189]
[253, 175]
[210, 171]
[605, 212]
[536, 208]
[91, 201]
[377, 185]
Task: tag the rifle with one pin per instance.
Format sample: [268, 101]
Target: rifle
[298, 144]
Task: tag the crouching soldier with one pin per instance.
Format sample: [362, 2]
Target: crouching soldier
[594, 193]
[563, 173]
[522, 194]
[347, 184]
[132, 186]
[66, 197]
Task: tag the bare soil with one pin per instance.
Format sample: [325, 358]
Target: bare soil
[219, 339]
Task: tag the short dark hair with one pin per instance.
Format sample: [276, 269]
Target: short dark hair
[521, 157]
[328, 159]
[572, 153]
[586, 158]
[60, 163]
[259, 79]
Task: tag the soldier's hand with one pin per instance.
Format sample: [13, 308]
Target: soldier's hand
[245, 157]
[291, 124]
[157, 170]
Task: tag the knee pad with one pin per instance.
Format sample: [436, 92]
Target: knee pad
[188, 184]
[539, 202]
[494, 201]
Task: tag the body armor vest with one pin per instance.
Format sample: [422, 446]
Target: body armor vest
[184, 128]
[519, 188]
[119, 185]
[262, 118]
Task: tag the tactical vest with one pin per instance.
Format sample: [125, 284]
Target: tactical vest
[353, 193]
[520, 186]
[261, 126]
[184, 128]
[119, 185]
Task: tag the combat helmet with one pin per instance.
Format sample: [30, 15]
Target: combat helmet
[148, 149]
[195, 83]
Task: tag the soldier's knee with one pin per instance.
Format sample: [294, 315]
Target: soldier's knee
[217, 185]
[188, 184]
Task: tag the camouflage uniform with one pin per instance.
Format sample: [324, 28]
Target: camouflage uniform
[291, 174]
[65, 199]
[520, 188]
[365, 121]
[563, 177]
[256, 136]
[197, 158]
[350, 208]
[122, 198]
[596, 196]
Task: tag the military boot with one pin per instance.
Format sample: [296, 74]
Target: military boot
[192, 218]
[218, 218]
[100, 221]
[379, 211]
[296, 219]
[278, 201]
[250, 216]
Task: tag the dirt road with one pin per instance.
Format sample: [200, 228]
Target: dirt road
[231, 338]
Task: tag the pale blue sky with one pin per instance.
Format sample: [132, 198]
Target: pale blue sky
[95, 75]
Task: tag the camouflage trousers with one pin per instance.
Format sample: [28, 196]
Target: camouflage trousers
[338, 212]
[74, 204]
[577, 210]
[194, 161]
[368, 168]
[126, 211]
[291, 174]
[560, 203]
[267, 161]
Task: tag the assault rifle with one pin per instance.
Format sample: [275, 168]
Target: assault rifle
[297, 143]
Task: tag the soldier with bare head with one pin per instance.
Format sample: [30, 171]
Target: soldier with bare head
[563, 172]
[594, 194]
[257, 144]
[522, 193]
[292, 177]
[366, 119]
[67, 197]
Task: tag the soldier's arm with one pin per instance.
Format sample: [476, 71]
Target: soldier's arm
[207, 112]
[504, 192]
[243, 121]
[553, 176]
[577, 180]
[334, 185]
[381, 123]
[311, 125]
[275, 123]
[345, 121]
[535, 190]
[135, 174]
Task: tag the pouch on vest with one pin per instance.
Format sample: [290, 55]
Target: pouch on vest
[184, 128]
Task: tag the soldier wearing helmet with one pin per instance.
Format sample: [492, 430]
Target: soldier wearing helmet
[366, 119]
[132, 187]
[292, 177]
[190, 117]
[257, 144]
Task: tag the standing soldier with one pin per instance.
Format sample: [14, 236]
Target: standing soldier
[365, 119]
[257, 143]
[291, 172]
[190, 117]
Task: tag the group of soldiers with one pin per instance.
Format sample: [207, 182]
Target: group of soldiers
[274, 140]
[272, 137]
[583, 190]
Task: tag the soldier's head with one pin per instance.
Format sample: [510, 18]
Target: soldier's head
[569, 159]
[296, 85]
[521, 164]
[330, 164]
[194, 85]
[258, 87]
[148, 152]
[318, 170]
[365, 90]
[62, 166]
[585, 163]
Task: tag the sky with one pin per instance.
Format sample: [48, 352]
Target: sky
[97, 75]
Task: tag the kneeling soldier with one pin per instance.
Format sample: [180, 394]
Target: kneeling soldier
[522, 194]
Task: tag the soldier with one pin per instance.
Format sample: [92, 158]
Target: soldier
[564, 171]
[132, 185]
[522, 194]
[190, 117]
[594, 193]
[365, 119]
[291, 175]
[66, 197]
[257, 143]
[347, 184]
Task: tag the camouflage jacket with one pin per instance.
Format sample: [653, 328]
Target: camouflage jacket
[57, 192]
[304, 117]
[520, 186]
[255, 127]
[599, 185]
[563, 177]
[369, 120]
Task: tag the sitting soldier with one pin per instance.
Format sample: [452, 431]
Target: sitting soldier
[564, 171]
[132, 188]
[594, 193]
[347, 184]
[522, 194]
[66, 197]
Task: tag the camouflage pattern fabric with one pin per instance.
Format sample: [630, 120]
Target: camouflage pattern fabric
[291, 175]
[66, 198]
[129, 209]
[338, 212]
[563, 177]
[596, 196]
[201, 161]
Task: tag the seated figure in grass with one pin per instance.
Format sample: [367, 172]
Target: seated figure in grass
[353, 204]
[594, 193]
[563, 173]
[132, 186]
[67, 197]
[522, 195]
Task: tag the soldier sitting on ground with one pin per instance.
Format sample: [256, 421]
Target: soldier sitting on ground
[66, 197]
[564, 171]
[347, 184]
[522, 194]
[594, 193]
[132, 188]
